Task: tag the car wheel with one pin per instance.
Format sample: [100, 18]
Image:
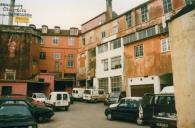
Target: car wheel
[109, 116]
[66, 108]
[40, 119]
[139, 121]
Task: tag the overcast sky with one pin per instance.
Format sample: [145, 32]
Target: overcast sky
[68, 13]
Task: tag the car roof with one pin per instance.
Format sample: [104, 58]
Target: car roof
[132, 98]
[10, 104]
[59, 93]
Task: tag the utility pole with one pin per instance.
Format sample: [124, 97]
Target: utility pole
[11, 12]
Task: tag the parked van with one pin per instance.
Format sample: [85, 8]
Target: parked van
[146, 108]
[77, 93]
[94, 95]
[39, 97]
[58, 100]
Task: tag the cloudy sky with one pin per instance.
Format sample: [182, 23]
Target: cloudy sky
[68, 13]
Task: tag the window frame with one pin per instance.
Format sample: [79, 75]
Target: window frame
[114, 60]
[139, 51]
[128, 20]
[144, 13]
[55, 40]
[167, 6]
[165, 45]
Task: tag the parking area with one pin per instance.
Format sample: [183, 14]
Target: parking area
[85, 115]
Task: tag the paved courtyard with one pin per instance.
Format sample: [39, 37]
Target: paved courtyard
[85, 115]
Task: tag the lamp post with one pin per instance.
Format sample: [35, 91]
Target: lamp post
[11, 11]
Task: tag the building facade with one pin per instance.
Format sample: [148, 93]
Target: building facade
[145, 56]
[58, 56]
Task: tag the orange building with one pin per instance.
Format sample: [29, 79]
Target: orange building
[58, 55]
[147, 51]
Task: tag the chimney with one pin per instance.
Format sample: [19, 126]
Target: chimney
[108, 10]
[11, 12]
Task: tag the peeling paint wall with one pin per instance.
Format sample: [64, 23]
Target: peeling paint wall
[183, 59]
[19, 51]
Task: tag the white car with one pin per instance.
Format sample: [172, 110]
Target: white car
[39, 97]
[77, 93]
[58, 100]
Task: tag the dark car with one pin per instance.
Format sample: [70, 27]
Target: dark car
[39, 112]
[164, 112]
[15, 116]
[126, 109]
[149, 106]
[114, 98]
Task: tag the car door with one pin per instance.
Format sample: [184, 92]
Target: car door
[132, 111]
[59, 99]
[121, 110]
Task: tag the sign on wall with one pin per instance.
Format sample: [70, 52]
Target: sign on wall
[21, 19]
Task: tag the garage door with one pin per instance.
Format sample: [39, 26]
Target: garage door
[139, 90]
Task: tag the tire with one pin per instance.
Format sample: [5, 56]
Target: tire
[139, 121]
[66, 108]
[40, 119]
[109, 116]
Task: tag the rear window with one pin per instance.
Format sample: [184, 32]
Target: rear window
[15, 102]
[59, 97]
[87, 92]
[65, 96]
[101, 92]
[14, 110]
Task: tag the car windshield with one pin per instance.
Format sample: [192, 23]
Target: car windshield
[14, 110]
[87, 92]
[40, 95]
[114, 95]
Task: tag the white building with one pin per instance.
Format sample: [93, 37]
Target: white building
[110, 65]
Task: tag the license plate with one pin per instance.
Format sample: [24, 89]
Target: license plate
[162, 125]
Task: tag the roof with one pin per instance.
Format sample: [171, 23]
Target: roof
[132, 98]
[51, 32]
[185, 10]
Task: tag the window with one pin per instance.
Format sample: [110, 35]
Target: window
[91, 37]
[147, 33]
[115, 44]
[70, 60]
[83, 40]
[115, 27]
[56, 55]
[105, 64]
[103, 34]
[42, 40]
[103, 48]
[144, 13]
[73, 31]
[59, 97]
[128, 20]
[167, 6]
[116, 83]
[55, 40]
[103, 84]
[139, 51]
[71, 41]
[165, 46]
[42, 55]
[10, 74]
[130, 38]
[188, 2]
[116, 62]
[65, 96]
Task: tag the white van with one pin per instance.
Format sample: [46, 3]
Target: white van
[59, 100]
[94, 95]
[39, 97]
[77, 93]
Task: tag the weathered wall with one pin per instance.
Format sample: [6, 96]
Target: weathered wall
[19, 50]
[183, 59]
[152, 63]
[19, 87]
